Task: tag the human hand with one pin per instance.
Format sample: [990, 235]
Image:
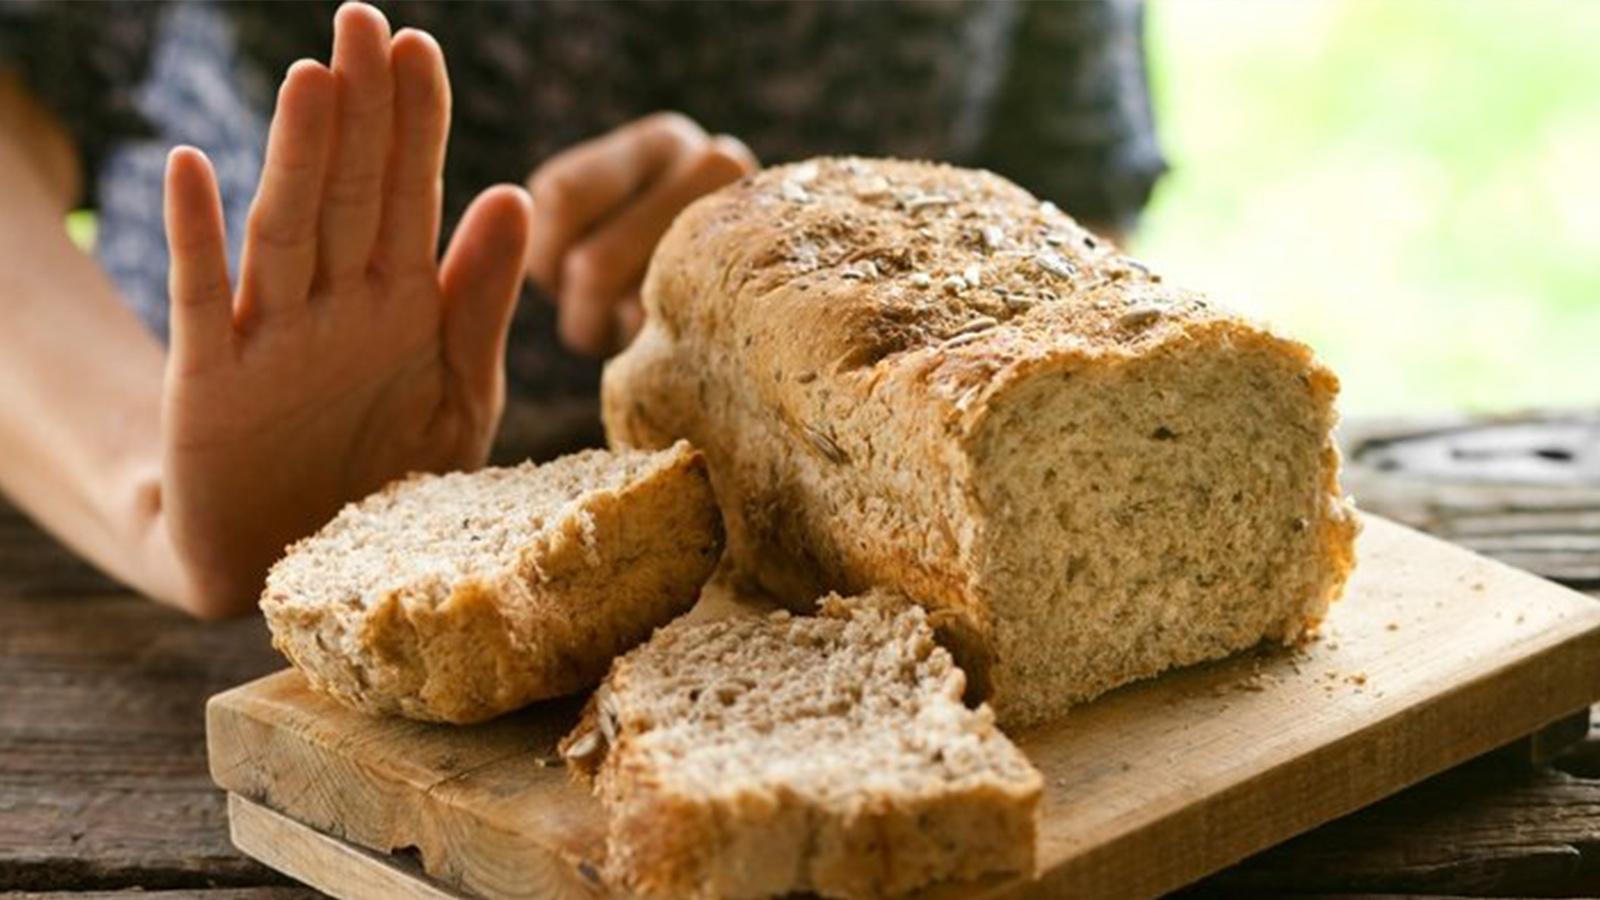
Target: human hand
[600, 207]
[349, 354]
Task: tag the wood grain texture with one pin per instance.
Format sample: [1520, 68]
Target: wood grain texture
[1434, 657]
[488, 808]
[336, 867]
[1524, 489]
[1448, 836]
[102, 768]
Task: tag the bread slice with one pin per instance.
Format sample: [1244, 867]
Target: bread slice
[458, 597]
[760, 755]
[920, 377]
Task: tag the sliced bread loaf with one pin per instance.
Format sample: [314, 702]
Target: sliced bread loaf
[760, 755]
[920, 377]
[459, 597]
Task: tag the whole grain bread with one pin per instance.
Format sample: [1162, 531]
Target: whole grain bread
[459, 597]
[921, 377]
[765, 754]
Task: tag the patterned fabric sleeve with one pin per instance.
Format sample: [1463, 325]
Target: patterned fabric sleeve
[82, 61]
[1073, 120]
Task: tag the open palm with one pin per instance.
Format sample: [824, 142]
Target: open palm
[349, 354]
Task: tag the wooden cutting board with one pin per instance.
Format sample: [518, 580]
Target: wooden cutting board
[1434, 656]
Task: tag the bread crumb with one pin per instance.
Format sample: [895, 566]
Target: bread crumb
[1393, 626]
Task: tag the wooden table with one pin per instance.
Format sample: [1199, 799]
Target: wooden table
[104, 791]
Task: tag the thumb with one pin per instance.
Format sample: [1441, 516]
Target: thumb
[480, 279]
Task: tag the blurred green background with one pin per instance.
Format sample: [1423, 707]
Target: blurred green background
[1411, 186]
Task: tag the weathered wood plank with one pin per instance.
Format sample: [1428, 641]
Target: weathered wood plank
[1524, 489]
[1483, 829]
[102, 767]
[329, 864]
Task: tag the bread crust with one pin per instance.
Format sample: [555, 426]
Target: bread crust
[837, 334]
[594, 582]
[772, 835]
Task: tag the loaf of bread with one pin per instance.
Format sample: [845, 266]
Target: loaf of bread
[458, 597]
[920, 377]
[767, 754]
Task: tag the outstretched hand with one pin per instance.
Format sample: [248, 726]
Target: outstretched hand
[348, 354]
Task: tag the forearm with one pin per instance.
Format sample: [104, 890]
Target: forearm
[80, 393]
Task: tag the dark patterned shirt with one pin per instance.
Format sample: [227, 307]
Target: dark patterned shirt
[1051, 94]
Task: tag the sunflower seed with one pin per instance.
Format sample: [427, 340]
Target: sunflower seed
[915, 203]
[865, 270]
[794, 192]
[981, 323]
[606, 713]
[871, 187]
[1139, 316]
[1055, 265]
[826, 446]
[584, 747]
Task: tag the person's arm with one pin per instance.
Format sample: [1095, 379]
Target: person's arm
[345, 354]
[349, 353]
[80, 376]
